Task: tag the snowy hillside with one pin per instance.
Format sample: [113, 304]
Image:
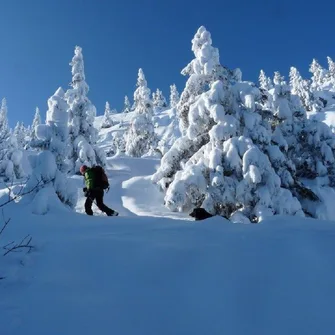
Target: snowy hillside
[160, 273]
[258, 159]
[165, 123]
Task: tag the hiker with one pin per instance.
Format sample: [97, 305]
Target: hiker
[96, 181]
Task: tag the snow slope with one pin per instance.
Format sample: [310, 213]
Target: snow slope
[165, 123]
[153, 275]
[327, 116]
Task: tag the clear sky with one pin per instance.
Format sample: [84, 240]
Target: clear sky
[38, 39]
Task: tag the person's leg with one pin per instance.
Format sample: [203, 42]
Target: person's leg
[100, 203]
[88, 205]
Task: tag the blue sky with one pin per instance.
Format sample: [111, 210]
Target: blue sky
[38, 39]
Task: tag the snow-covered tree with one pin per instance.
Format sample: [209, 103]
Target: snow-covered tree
[141, 137]
[230, 173]
[308, 146]
[55, 132]
[158, 100]
[27, 136]
[318, 81]
[50, 166]
[20, 133]
[318, 75]
[174, 96]
[36, 121]
[4, 128]
[10, 155]
[118, 146]
[83, 134]
[127, 105]
[107, 121]
[264, 82]
[331, 67]
[202, 71]
[300, 87]
[236, 158]
[329, 84]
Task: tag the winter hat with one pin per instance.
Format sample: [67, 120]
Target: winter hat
[82, 169]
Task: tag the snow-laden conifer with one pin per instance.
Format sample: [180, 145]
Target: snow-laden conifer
[141, 137]
[236, 157]
[36, 121]
[203, 70]
[50, 166]
[158, 101]
[83, 134]
[174, 96]
[107, 121]
[127, 105]
[10, 154]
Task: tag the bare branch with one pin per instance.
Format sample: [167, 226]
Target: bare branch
[5, 224]
[21, 193]
[24, 244]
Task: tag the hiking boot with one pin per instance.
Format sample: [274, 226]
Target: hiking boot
[112, 213]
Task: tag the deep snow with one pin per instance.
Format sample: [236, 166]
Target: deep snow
[152, 271]
[145, 275]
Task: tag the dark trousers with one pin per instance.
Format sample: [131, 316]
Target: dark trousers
[98, 196]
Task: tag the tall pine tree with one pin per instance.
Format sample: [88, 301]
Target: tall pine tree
[83, 134]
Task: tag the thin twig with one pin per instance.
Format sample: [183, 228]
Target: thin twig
[4, 226]
[24, 244]
[21, 194]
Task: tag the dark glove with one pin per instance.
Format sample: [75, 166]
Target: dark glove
[86, 192]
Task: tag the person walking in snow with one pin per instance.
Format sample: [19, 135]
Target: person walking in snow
[96, 181]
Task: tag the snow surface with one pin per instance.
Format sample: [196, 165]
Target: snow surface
[146, 272]
[152, 271]
[328, 116]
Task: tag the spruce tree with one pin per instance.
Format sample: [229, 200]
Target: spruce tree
[127, 105]
[10, 154]
[141, 137]
[107, 121]
[236, 158]
[83, 134]
[159, 101]
[50, 166]
[36, 121]
[174, 96]
[202, 71]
